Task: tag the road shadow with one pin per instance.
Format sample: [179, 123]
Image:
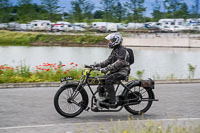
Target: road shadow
[98, 117]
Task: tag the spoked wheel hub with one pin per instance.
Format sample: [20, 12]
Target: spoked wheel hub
[135, 97]
[69, 100]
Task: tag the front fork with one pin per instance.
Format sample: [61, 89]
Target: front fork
[76, 91]
[74, 94]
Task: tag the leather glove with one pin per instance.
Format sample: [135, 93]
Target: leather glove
[97, 65]
[104, 70]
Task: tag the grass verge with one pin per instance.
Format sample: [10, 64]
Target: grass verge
[12, 38]
[148, 126]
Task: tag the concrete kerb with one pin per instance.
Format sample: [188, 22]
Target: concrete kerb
[57, 84]
[28, 85]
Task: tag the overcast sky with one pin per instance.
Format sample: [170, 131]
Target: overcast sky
[67, 4]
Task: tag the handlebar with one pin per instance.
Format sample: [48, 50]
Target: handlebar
[92, 67]
[87, 66]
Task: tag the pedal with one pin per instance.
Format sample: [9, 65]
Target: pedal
[87, 109]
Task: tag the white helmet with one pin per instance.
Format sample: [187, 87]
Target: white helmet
[116, 39]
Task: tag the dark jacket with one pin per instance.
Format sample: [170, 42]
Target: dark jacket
[117, 61]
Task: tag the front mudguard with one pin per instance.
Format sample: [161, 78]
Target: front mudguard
[82, 91]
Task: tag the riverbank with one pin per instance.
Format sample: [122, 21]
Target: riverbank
[12, 38]
[173, 40]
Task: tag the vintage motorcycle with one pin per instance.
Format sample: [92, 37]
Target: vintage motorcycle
[71, 99]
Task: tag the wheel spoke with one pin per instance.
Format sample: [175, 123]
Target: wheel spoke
[141, 106]
[71, 106]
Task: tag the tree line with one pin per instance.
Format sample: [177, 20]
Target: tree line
[85, 11]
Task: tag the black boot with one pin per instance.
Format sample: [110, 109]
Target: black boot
[111, 93]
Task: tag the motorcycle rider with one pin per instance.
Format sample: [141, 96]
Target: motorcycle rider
[117, 64]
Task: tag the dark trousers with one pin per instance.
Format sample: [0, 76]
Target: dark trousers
[109, 81]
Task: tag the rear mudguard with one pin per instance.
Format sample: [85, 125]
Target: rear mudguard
[81, 89]
[135, 83]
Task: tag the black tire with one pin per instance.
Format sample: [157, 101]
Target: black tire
[64, 93]
[142, 93]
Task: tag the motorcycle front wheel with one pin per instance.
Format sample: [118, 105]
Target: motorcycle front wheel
[140, 104]
[67, 106]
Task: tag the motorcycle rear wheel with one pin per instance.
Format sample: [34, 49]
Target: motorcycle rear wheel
[139, 107]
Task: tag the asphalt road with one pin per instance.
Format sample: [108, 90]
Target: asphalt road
[32, 109]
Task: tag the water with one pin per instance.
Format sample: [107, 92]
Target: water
[157, 63]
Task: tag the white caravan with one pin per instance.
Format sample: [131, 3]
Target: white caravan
[84, 25]
[135, 25]
[13, 26]
[96, 25]
[25, 27]
[192, 21]
[111, 27]
[41, 25]
[105, 26]
[177, 28]
[121, 26]
[193, 24]
[62, 26]
[3, 26]
[66, 26]
[172, 24]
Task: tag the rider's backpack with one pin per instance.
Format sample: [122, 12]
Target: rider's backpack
[131, 55]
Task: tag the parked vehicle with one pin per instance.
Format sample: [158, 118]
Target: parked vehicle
[192, 21]
[171, 22]
[13, 26]
[62, 26]
[178, 28]
[29, 27]
[77, 28]
[135, 25]
[193, 24]
[25, 27]
[71, 98]
[96, 25]
[107, 27]
[152, 25]
[166, 29]
[3, 26]
[111, 27]
[66, 27]
[41, 25]
[173, 28]
[121, 26]
[193, 27]
[83, 25]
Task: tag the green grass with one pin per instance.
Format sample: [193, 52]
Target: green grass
[11, 38]
[71, 39]
[148, 126]
[16, 38]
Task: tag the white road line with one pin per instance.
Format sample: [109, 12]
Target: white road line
[89, 123]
